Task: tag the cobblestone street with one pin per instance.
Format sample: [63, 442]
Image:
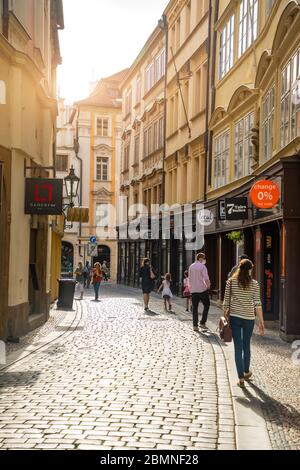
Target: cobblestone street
[117, 378]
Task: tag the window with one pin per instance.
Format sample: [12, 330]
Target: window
[188, 19]
[128, 102]
[221, 156]
[178, 25]
[149, 77]
[62, 163]
[226, 48]
[102, 127]
[126, 157]
[138, 90]
[150, 143]
[161, 133]
[248, 25]
[136, 149]
[155, 136]
[269, 6]
[102, 215]
[145, 144]
[290, 100]
[2, 91]
[197, 91]
[102, 168]
[267, 124]
[243, 149]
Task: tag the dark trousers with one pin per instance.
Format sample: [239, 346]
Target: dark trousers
[242, 330]
[204, 298]
[96, 288]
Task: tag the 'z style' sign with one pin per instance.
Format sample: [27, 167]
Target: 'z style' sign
[43, 196]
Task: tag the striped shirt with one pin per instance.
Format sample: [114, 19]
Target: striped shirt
[243, 302]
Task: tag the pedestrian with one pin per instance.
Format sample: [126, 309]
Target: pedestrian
[186, 291]
[199, 287]
[167, 295]
[148, 277]
[236, 267]
[80, 279]
[87, 275]
[241, 304]
[97, 278]
[104, 269]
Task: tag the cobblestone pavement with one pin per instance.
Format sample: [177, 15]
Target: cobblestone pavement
[122, 379]
[276, 381]
[55, 317]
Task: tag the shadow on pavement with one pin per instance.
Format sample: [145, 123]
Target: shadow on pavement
[18, 379]
[277, 412]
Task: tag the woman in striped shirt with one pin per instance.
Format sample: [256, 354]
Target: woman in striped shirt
[242, 303]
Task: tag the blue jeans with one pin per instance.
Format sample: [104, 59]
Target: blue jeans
[242, 330]
[96, 289]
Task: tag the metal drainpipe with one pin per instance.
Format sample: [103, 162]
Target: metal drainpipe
[76, 149]
[207, 146]
[213, 89]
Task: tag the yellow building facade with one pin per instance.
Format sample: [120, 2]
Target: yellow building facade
[254, 135]
[98, 124]
[186, 119]
[141, 185]
[29, 54]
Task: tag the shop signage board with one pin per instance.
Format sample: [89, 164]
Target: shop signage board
[236, 208]
[92, 249]
[43, 196]
[265, 194]
[221, 209]
[269, 273]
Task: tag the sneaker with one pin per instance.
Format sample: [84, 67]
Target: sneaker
[203, 326]
[247, 375]
[195, 328]
[241, 383]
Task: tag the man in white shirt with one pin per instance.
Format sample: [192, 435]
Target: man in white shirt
[199, 286]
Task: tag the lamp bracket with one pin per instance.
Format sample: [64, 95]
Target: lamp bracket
[39, 169]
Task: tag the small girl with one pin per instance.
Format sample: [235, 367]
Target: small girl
[166, 291]
[186, 291]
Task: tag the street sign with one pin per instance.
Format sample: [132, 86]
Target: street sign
[221, 209]
[43, 196]
[93, 240]
[92, 249]
[236, 208]
[265, 194]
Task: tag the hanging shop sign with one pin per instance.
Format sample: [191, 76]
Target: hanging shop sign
[221, 209]
[43, 196]
[265, 194]
[269, 270]
[236, 208]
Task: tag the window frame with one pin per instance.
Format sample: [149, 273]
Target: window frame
[226, 47]
[100, 168]
[248, 32]
[222, 159]
[243, 144]
[102, 127]
[267, 120]
[58, 166]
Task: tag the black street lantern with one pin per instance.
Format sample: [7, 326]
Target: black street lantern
[72, 185]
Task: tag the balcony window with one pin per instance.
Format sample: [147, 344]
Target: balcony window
[243, 154]
[226, 54]
[248, 24]
[221, 160]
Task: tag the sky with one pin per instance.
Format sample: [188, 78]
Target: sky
[102, 37]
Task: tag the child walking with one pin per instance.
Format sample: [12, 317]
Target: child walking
[166, 291]
[186, 291]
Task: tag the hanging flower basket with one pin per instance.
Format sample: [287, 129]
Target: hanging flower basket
[236, 236]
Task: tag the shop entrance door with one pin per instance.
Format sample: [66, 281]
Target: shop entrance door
[270, 271]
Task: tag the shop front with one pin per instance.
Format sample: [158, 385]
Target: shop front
[270, 237]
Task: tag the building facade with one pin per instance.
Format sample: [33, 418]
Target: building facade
[29, 54]
[185, 162]
[254, 135]
[141, 184]
[96, 126]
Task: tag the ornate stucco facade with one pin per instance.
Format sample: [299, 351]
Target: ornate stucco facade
[255, 134]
